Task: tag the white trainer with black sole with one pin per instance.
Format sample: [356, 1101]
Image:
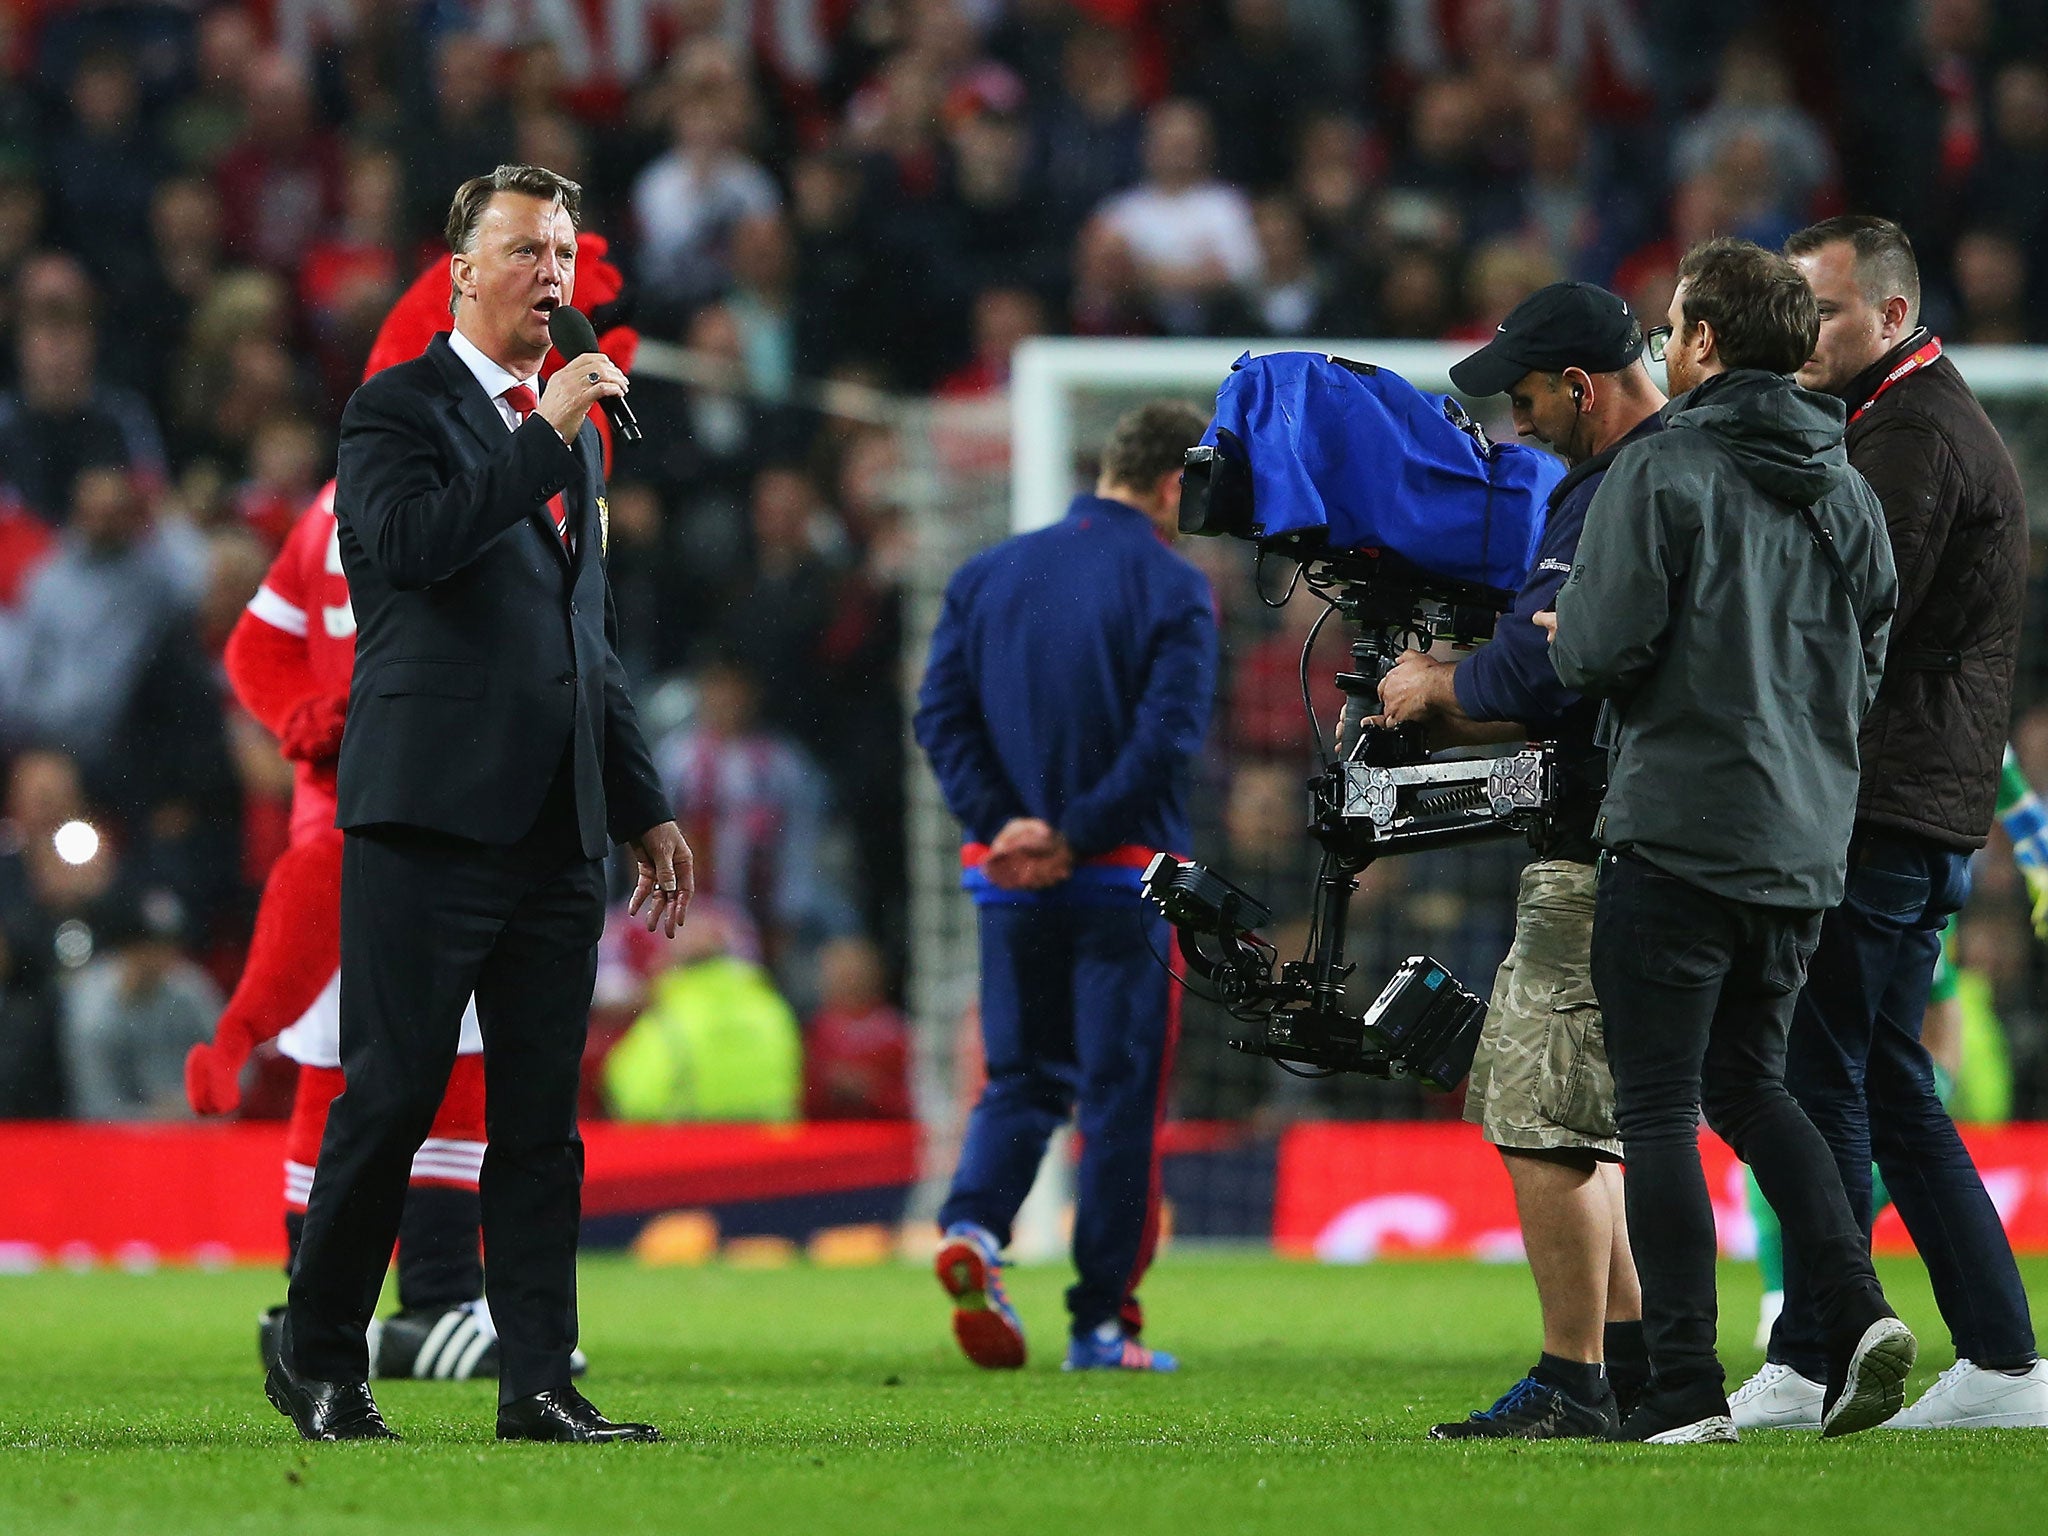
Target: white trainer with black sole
[1968, 1396]
[1777, 1397]
[1874, 1385]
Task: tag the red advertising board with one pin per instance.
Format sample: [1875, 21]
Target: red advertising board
[144, 1194]
[1353, 1192]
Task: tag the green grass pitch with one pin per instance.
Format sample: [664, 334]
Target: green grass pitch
[832, 1401]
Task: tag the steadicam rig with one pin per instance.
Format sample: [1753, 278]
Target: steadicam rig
[1342, 449]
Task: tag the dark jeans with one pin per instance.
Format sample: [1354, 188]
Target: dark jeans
[1858, 1069]
[1696, 992]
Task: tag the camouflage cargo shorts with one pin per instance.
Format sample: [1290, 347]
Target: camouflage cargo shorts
[1540, 1079]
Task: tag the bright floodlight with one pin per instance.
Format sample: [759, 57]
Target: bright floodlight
[77, 842]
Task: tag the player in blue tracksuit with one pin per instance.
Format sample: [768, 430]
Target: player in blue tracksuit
[1068, 690]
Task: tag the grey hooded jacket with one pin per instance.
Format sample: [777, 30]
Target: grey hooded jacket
[1736, 664]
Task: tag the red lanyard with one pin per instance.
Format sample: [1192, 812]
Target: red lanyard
[1913, 364]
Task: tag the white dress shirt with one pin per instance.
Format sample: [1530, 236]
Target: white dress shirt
[494, 379]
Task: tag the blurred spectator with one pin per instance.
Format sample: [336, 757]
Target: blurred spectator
[1000, 231]
[237, 371]
[21, 229]
[1109, 295]
[1917, 117]
[777, 621]
[2010, 190]
[463, 128]
[105, 665]
[1599, 46]
[1003, 319]
[353, 273]
[162, 282]
[753, 805]
[281, 182]
[1257, 80]
[1415, 295]
[1265, 714]
[1090, 134]
[1754, 122]
[134, 1011]
[1293, 294]
[20, 125]
[32, 1083]
[288, 463]
[1190, 235]
[1333, 177]
[104, 168]
[716, 1042]
[1502, 273]
[206, 124]
[1991, 289]
[1031, 35]
[849, 296]
[702, 444]
[857, 1046]
[60, 416]
[761, 298]
[1570, 203]
[647, 583]
[1450, 189]
[687, 203]
[45, 895]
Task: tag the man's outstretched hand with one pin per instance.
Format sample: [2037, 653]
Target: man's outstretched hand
[1027, 855]
[668, 878]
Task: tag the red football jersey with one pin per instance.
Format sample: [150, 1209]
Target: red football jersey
[305, 594]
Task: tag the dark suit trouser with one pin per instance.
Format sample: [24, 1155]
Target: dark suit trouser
[425, 921]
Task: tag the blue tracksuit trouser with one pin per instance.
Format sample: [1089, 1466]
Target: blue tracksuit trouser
[1075, 1018]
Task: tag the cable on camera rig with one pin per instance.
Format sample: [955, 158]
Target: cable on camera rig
[1380, 795]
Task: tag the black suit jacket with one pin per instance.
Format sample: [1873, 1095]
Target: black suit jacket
[484, 649]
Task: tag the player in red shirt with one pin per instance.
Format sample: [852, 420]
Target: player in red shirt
[289, 660]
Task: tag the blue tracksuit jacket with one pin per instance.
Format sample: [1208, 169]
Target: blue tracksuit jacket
[1071, 678]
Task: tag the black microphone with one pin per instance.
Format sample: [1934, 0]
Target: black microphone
[569, 329]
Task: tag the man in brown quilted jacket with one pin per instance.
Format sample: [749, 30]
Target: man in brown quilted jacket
[1931, 748]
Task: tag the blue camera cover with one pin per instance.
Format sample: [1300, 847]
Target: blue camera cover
[1379, 464]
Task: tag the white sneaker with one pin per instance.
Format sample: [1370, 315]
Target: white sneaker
[1966, 1396]
[1717, 1429]
[1767, 1317]
[1777, 1397]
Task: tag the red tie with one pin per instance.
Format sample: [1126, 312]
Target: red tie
[522, 400]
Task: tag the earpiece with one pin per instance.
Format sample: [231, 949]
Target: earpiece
[1578, 395]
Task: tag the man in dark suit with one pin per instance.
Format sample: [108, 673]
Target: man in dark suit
[491, 758]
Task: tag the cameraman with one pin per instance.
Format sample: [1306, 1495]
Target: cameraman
[1932, 746]
[1569, 358]
[1731, 600]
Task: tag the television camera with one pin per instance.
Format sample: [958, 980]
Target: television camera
[1380, 792]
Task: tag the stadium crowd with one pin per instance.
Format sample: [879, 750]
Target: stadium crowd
[206, 210]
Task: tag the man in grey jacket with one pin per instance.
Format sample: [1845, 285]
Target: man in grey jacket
[1730, 603]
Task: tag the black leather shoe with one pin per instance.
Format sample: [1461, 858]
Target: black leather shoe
[326, 1410]
[566, 1415]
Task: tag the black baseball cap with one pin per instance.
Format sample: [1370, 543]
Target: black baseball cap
[1565, 325]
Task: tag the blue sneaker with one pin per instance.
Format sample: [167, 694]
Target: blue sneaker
[1535, 1410]
[970, 1267]
[1109, 1348]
